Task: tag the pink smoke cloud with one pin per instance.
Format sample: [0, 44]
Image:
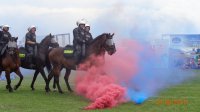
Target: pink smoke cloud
[102, 83]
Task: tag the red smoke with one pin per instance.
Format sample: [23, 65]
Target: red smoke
[101, 84]
[111, 96]
[100, 88]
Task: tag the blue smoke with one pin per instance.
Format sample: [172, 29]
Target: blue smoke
[152, 77]
[141, 84]
[146, 24]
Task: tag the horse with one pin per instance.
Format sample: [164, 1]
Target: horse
[10, 62]
[40, 58]
[97, 47]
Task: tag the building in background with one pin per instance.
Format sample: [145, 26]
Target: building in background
[175, 50]
[63, 39]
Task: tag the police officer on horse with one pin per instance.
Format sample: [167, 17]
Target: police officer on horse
[79, 40]
[88, 35]
[4, 38]
[30, 43]
[82, 38]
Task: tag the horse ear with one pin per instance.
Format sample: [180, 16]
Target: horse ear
[50, 35]
[112, 34]
[16, 38]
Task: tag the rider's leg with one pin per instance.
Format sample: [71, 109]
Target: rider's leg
[77, 54]
[30, 56]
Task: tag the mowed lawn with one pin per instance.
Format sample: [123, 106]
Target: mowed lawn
[180, 98]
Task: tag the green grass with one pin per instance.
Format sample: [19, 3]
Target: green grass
[25, 100]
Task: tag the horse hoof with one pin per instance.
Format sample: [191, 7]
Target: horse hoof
[7, 87]
[54, 90]
[10, 90]
[33, 89]
[16, 87]
[61, 92]
[47, 90]
[71, 91]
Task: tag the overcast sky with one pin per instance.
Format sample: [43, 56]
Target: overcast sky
[126, 18]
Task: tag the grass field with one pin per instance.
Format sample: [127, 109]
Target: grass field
[180, 98]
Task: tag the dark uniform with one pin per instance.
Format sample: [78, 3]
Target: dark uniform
[88, 38]
[79, 41]
[4, 38]
[30, 47]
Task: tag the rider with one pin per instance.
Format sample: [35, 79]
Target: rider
[30, 42]
[4, 38]
[88, 35]
[79, 38]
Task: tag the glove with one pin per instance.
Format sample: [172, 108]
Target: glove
[36, 44]
[82, 33]
[86, 38]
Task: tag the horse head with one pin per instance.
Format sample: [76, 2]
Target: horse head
[12, 47]
[109, 44]
[49, 41]
[103, 43]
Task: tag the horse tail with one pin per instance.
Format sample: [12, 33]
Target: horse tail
[48, 63]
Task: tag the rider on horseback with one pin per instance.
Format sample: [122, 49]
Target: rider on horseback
[30, 43]
[79, 41]
[4, 37]
[88, 35]
[82, 38]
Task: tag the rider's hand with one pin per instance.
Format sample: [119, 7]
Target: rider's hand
[86, 38]
[82, 33]
[36, 43]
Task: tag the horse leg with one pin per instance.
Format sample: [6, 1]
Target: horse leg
[67, 73]
[58, 84]
[54, 82]
[56, 76]
[34, 78]
[43, 75]
[18, 72]
[0, 73]
[50, 76]
[8, 86]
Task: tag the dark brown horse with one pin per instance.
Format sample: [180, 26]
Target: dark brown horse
[10, 62]
[98, 47]
[40, 59]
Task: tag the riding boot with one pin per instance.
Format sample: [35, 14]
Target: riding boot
[30, 61]
[77, 58]
[83, 51]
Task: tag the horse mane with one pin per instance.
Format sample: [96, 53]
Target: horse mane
[98, 37]
[44, 39]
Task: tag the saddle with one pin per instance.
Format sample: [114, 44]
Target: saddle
[69, 51]
[22, 53]
[27, 58]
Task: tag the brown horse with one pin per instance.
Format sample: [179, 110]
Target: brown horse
[40, 59]
[98, 47]
[10, 62]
